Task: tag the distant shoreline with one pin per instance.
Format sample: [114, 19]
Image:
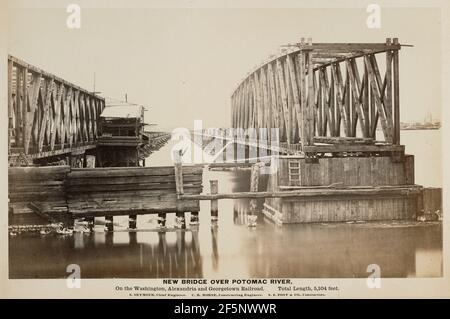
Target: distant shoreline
[420, 128]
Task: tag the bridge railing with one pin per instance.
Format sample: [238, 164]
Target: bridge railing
[325, 94]
[47, 115]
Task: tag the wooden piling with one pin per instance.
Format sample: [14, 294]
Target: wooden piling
[109, 223]
[180, 220]
[132, 221]
[162, 220]
[91, 223]
[214, 189]
[396, 94]
[254, 182]
[180, 215]
[194, 218]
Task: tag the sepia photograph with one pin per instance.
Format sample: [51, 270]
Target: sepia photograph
[241, 145]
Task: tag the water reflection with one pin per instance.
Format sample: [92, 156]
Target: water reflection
[106, 255]
[232, 249]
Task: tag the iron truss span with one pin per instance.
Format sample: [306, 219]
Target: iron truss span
[325, 97]
[48, 116]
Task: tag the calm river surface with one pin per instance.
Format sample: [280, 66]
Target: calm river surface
[401, 249]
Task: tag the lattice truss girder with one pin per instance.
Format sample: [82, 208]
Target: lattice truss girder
[314, 92]
[47, 113]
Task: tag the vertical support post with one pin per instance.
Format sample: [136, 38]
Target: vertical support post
[180, 219]
[91, 223]
[84, 160]
[69, 160]
[109, 223]
[254, 182]
[19, 106]
[10, 103]
[214, 189]
[396, 96]
[161, 220]
[194, 218]
[388, 96]
[132, 221]
[303, 108]
[311, 96]
[24, 107]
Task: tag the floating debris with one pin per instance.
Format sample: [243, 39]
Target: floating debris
[64, 231]
[45, 231]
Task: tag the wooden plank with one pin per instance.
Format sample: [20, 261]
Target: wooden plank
[131, 179]
[179, 176]
[128, 187]
[353, 148]
[347, 47]
[35, 171]
[320, 193]
[344, 140]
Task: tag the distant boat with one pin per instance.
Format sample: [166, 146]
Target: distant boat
[420, 126]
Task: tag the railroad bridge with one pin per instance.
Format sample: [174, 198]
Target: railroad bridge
[326, 102]
[53, 121]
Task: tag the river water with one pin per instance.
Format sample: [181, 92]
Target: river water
[340, 250]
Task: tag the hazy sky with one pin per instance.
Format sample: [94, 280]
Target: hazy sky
[185, 63]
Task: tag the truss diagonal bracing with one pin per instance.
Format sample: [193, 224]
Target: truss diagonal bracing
[48, 116]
